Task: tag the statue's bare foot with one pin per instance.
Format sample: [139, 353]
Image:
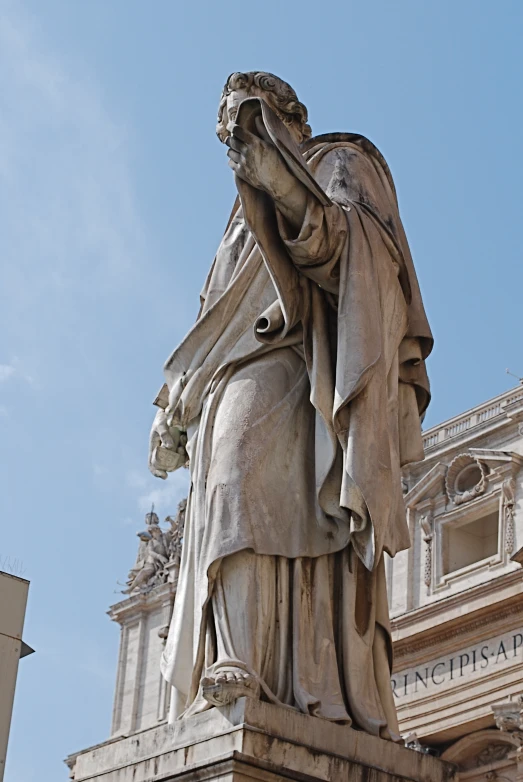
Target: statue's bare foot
[229, 684]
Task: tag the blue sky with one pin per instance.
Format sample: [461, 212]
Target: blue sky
[114, 193]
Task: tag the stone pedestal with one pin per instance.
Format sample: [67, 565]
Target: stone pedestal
[250, 741]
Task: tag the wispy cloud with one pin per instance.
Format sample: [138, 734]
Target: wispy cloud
[6, 371]
[15, 368]
[74, 254]
[12, 371]
[70, 225]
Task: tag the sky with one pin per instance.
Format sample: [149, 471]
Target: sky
[114, 193]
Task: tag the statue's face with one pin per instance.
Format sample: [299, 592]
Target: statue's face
[233, 101]
[235, 98]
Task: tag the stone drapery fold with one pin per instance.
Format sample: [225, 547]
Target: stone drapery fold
[312, 344]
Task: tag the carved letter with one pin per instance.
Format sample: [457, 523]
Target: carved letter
[461, 658]
[517, 645]
[434, 671]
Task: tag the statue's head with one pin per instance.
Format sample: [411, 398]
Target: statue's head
[277, 93]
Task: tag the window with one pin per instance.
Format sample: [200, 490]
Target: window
[471, 542]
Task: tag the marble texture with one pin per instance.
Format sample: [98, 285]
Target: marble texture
[255, 740]
[300, 390]
[481, 607]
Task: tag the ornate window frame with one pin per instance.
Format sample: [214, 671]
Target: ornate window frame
[459, 517]
[437, 502]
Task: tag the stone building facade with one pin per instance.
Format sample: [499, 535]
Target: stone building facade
[456, 602]
[142, 696]
[456, 597]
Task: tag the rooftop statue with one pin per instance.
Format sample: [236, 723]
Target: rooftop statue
[159, 553]
[297, 397]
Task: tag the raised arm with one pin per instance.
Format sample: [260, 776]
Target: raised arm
[260, 164]
[314, 234]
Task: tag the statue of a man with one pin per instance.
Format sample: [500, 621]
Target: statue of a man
[300, 388]
[152, 558]
[139, 565]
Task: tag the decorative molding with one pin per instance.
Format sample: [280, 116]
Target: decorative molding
[459, 465]
[481, 748]
[508, 493]
[137, 605]
[508, 716]
[493, 414]
[494, 458]
[402, 649]
[455, 632]
[427, 527]
[428, 487]
[460, 602]
[491, 753]
[514, 407]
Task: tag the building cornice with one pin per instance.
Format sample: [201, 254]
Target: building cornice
[496, 413]
[430, 485]
[446, 623]
[141, 603]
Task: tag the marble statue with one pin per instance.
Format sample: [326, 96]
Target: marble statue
[139, 565]
[155, 552]
[297, 396]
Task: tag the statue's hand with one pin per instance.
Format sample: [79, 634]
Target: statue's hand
[166, 453]
[259, 163]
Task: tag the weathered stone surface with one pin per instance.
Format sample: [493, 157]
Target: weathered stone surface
[297, 395]
[255, 740]
[456, 603]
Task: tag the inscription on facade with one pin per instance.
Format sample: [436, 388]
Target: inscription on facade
[472, 662]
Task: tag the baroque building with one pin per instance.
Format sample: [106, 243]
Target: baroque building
[141, 696]
[455, 599]
[456, 595]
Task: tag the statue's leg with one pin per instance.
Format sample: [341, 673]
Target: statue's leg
[245, 655]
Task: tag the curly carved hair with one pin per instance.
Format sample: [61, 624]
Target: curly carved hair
[278, 94]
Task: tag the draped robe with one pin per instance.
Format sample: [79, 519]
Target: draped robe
[301, 386]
